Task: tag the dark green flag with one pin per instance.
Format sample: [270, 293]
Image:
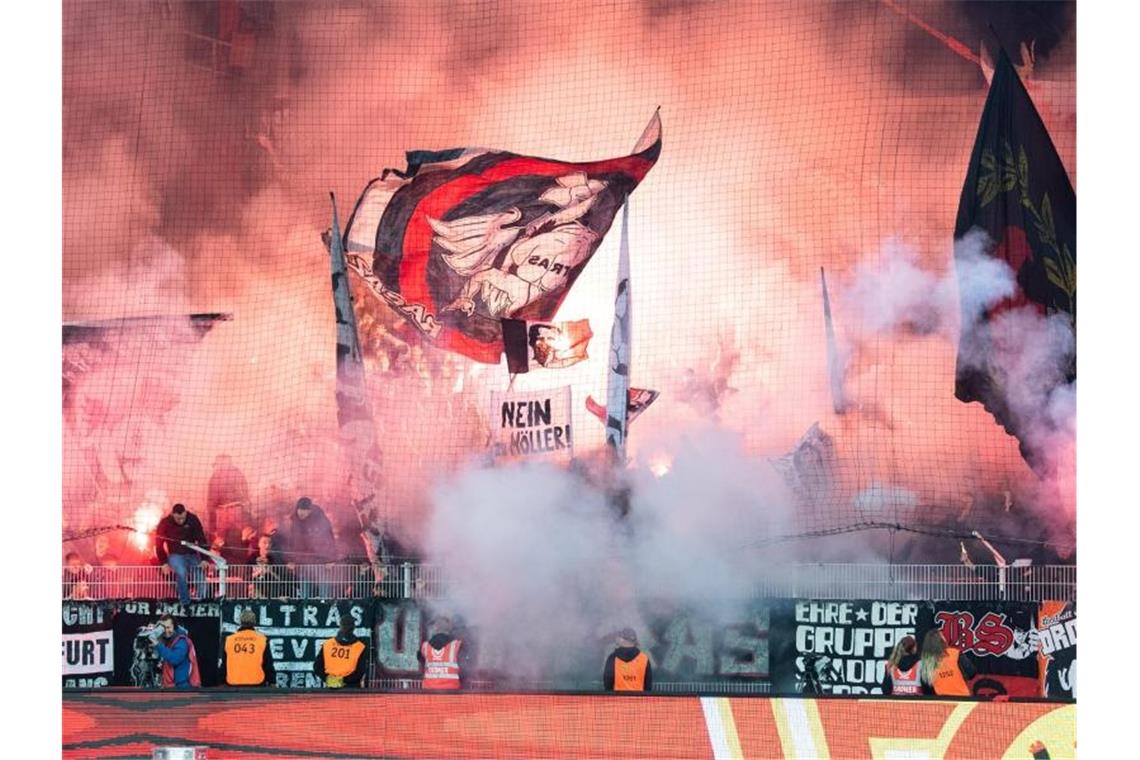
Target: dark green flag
[1017, 191]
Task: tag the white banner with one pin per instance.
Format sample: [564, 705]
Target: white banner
[85, 653]
[532, 424]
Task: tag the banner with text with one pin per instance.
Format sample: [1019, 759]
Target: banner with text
[1057, 643]
[297, 629]
[532, 424]
[692, 646]
[998, 636]
[88, 645]
[684, 646]
[840, 645]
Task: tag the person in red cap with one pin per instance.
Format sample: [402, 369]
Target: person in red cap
[627, 667]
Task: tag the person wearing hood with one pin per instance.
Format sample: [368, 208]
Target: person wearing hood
[176, 650]
[627, 667]
[311, 543]
[440, 657]
[342, 660]
[901, 676]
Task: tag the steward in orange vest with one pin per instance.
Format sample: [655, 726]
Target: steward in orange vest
[627, 667]
[342, 661]
[440, 657]
[945, 669]
[245, 656]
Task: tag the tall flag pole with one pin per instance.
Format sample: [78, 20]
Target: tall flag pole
[617, 392]
[834, 371]
[358, 437]
[1017, 191]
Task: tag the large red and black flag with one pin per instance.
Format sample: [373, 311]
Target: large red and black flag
[465, 238]
[1018, 193]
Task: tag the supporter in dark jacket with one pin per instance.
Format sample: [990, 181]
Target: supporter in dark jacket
[181, 527]
[627, 667]
[271, 528]
[269, 577]
[227, 496]
[311, 542]
[901, 676]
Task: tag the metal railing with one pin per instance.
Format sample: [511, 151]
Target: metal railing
[405, 580]
[409, 580]
[921, 582]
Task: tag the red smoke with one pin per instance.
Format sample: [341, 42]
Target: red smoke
[795, 136]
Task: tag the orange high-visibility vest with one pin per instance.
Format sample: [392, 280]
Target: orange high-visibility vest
[630, 676]
[441, 666]
[948, 679]
[906, 682]
[341, 659]
[245, 650]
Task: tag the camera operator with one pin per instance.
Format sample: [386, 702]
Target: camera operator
[179, 660]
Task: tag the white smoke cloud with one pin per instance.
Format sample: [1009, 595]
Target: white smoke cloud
[1027, 352]
[541, 567]
[891, 292]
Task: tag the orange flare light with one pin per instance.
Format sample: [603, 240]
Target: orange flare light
[146, 520]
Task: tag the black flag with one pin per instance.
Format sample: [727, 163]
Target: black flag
[1018, 193]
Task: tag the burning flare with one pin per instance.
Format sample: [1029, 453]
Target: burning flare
[146, 518]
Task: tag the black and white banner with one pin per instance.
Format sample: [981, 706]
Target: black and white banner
[297, 629]
[845, 644]
[88, 645]
[696, 647]
[532, 424]
[400, 627]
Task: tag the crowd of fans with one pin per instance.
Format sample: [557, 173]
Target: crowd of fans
[302, 555]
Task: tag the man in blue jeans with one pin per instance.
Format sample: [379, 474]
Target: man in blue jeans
[174, 531]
